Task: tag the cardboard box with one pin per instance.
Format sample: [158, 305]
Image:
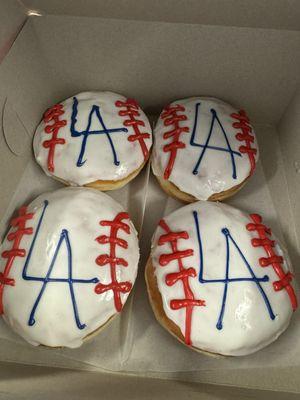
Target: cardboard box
[246, 52]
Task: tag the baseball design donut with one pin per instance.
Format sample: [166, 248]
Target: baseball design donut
[219, 281]
[67, 266]
[204, 149]
[97, 139]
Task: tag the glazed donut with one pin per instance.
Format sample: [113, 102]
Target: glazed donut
[204, 149]
[219, 281]
[68, 264]
[96, 139]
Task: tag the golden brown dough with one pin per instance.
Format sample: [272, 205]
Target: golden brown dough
[173, 191]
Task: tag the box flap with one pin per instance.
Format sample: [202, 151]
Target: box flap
[276, 14]
[12, 17]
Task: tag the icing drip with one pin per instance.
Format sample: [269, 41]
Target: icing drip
[245, 135]
[16, 236]
[171, 117]
[132, 111]
[183, 275]
[206, 146]
[272, 258]
[112, 259]
[50, 115]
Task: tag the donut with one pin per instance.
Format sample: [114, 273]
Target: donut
[96, 139]
[219, 281]
[204, 149]
[68, 264]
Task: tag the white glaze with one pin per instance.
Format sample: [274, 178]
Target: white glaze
[215, 171]
[247, 326]
[99, 156]
[78, 210]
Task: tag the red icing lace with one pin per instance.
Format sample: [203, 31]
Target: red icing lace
[183, 275]
[50, 115]
[111, 258]
[171, 117]
[272, 258]
[132, 111]
[245, 135]
[16, 237]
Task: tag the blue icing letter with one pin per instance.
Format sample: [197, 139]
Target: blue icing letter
[226, 281]
[64, 238]
[214, 119]
[104, 131]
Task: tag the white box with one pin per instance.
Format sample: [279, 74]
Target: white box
[246, 52]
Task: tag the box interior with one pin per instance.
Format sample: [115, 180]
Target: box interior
[253, 65]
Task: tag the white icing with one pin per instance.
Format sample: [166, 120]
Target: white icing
[215, 171]
[99, 163]
[247, 326]
[79, 211]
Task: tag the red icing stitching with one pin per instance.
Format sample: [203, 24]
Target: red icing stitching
[111, 259]
[53, 114]
[171, 117]
[183, 275]
[20, 223]
[272, 259]
[245, 135]
[132, 111]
